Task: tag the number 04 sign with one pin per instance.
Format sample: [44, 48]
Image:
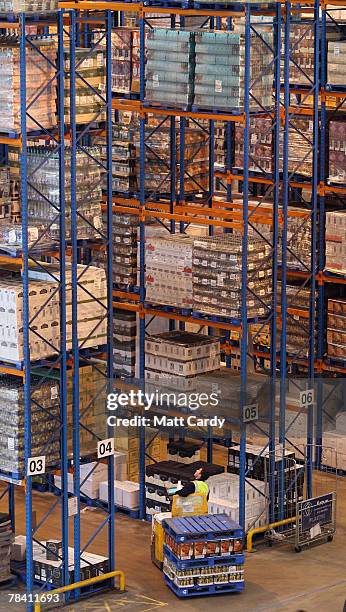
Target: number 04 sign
[105, 448]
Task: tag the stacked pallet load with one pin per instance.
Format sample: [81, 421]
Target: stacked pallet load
[337, 152]
[336, 329]
[300, 147]
[6, 542]
[5, 194]
[301, 54]
[257, 466]
[124, 343]
[90, 67]
[169, 270]
[183, 451]
[158, 156]
[45, 424]
[175, 358]
[169, 67]
[43, 191]
[217, 276]
[203, 555]
[260, 147]
[127, 442]
[220, 71]
[336, 62]
[224, 499]
[297, 325]
[48, 564]
[40, 74]
[336, 242]
[298, 256]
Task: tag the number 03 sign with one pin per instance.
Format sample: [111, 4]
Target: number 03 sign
[35, 466]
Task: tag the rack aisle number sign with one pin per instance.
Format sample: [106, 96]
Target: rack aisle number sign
[307, 398]
[105, 448]
[250, 413]
[36, 466]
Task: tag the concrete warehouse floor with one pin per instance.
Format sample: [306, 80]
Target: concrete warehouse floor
[276, 578]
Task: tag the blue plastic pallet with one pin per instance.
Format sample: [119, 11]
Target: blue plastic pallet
[236, 559]
[211, 527]
[205, 589]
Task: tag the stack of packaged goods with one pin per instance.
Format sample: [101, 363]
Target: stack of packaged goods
[5, 194]
[220, 71]
[257, 465]
[45, 424]
[125, 249]
[169, 270]
[6, 542]
[217, 276]
[158, 155]
[28, 6]
[126, 494]
[121, 60]
[220, 145]
[298, 239]
[43, 191]
[91, 67]
[336, 241]
[91, 303]
[203, 555]
[170, 67]
[260, 148]
[336, 329]
[91, 476]
[337, 152]
[297, 325]
[300, 147]
[124, 343]
[92, 402]
[48, 564]
[43, 304]
[127, 441]
[164, 475]
[224, 499]
[40, 74]
[301, 54]
[172, 357]
[336, 61]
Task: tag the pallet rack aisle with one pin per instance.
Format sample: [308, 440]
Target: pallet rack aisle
[57, 340]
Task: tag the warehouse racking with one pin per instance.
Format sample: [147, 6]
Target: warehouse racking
[74, 347]
[242, 211]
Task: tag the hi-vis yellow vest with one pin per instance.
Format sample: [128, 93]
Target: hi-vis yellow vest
[201, 487]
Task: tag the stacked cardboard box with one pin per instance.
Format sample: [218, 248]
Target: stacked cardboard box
[169, 270]
[50, 570]
[217, 276]
[337, 151]
[301, 54]
[45, 423]
[125, 249]
[43, 190]
[124, 343]
[170, 66]
[298, 239]
[336, 241]
[5, 194]
[300, 147]
[91, 302]
[336, 61]
[28, 6]
[92, 407]
[179, 353]
[127, 441]
[297, 325]
[224, 499]
[39, 77]
[220, 71]
[91, 475]
[260, 148]
[336, 329]
[90, 66]
[158, 159]
[126, 494]
[6, 540]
